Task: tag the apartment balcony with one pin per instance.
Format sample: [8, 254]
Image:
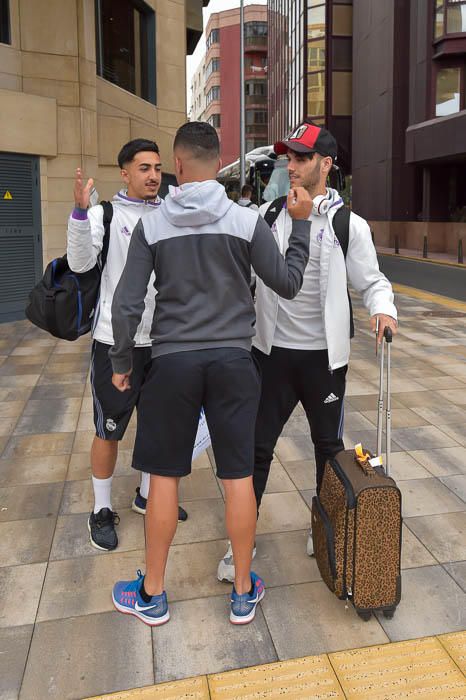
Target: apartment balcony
[256, 100]
[256, 130]
[255, 43]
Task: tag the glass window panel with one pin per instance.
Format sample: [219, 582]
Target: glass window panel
[456, 19]
[5, 22]
[316, 94]
[438, 26]
[316, 23]
[316, 55]
[315, 3]
[342, 93]
[342, 53]
[447, 98]
[342, 20]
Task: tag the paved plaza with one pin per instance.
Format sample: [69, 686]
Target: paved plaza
[59, 635]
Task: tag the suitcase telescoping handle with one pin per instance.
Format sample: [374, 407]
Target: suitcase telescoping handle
[387, 340]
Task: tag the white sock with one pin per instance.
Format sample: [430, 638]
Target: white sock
[145, 483]
[102, 493]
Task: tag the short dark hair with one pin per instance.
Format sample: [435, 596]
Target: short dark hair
[200, 138]
[246, 191]
[130, 149]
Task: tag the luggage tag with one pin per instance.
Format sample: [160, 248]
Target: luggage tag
[365, 461]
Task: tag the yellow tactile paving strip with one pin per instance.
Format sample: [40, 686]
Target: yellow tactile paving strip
[432, 668]
[430, 297]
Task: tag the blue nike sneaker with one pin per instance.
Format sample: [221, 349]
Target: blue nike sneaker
[243, 607]
[127, 599]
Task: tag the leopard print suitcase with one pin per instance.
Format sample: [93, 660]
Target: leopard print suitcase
[356, 526]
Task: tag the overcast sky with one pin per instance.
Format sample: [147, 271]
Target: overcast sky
[193, 61]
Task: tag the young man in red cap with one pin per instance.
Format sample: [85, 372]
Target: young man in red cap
[303, 345]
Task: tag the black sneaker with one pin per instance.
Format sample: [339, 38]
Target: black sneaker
[101, 528]
[139, 505]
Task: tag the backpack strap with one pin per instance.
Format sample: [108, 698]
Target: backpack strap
[108, 215]
[273, 211]
[341, 225]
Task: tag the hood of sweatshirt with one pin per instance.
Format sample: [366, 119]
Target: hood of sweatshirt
[122, 199]
[196, 203]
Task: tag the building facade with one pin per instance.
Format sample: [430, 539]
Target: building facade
[310, 68]
[409, 120]
[78, 79]
[198, 98]
[222, 78]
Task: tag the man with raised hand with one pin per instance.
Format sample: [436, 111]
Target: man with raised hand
[201, 247]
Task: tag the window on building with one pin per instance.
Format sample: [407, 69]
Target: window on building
[256, 87]
[214, 120]
[448, 92]
[255, 29]
[342, 20]
[316, 94]
[213, 38]
[449, 17]
[316, 22]
[5, 37]
[213, 67]
[213, 94]
[342, 86]
[316, 55]
[125, 41]
[256, 116]
[342, 53]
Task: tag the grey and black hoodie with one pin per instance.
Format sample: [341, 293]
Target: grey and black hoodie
[201, 246]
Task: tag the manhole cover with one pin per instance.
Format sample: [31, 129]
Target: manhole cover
[445, 313]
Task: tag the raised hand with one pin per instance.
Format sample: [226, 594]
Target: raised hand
[299, 203]
[82, 192]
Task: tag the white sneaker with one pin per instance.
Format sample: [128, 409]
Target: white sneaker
[310, 545]
[226, 566]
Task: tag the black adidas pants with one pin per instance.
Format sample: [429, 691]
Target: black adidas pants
[290, 376]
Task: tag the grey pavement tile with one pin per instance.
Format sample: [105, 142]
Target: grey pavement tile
[11, 409]
[80, 465]
[317, 622]
[3, 443]
[85, 422]
[427, 497]
[192, 570]
[355, 420]
[25, 502]
[296, 448]
[201, 634]
[202, 462]
[83, 586]
[56, 406]
[25, 541]
[13, 381]
[206, 521]
[419, 398]
[421, 438]
[368, 438]
[367, 403]
[431, 603]
[200, 484]
[71, 367]
[67, 378]
[282, 512]
[14, 648]
[444, 535]
[455, 369]
[278, 480]
[7, 426]
[442, 414]
[457, 484]
[20, 590]
[308, 496]
[413, 552]
[39, 445]
[401, 418]
[403, 385]
[57, 391]
[302, 473]
[281, 559]
[456, 396]
[71, 537]
[33, 470]
[83, 440]
[78, 496]
[442, 462]
[47, 422]
[91, 655]
[360, 388]
[404, 466]
[456, 432]
[297, 425]
[18, 394]
[7, 370]
[457, 570]
[444, 381]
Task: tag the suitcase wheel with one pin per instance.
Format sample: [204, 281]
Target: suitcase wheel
[388, 613]
[365, 615]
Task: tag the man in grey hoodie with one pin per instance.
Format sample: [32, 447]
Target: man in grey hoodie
[201, 247]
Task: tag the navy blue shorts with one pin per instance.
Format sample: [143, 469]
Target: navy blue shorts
[226, 383]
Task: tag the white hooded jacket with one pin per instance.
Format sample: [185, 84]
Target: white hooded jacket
[85, 240]
[361, 270]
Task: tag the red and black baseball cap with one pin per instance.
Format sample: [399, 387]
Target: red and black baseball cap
[308, 138]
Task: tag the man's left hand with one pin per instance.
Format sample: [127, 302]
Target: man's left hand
[121, 381]
[383, 322]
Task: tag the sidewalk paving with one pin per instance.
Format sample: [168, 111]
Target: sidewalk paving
[60, 638]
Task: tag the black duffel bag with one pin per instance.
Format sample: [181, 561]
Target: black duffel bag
[64, 302]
